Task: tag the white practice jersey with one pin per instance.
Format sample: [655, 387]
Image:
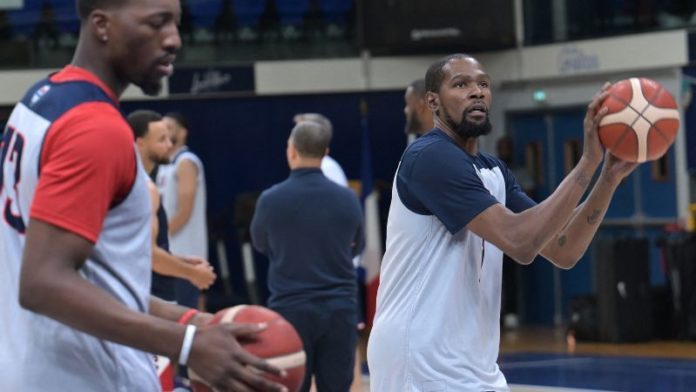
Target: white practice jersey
[192, 238]
[438, 305]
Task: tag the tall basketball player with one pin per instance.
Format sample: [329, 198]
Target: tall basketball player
[454, 211]
[75, 239]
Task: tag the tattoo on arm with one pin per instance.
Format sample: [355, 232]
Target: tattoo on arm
[562, 240]
[583, 180]
[592, 218]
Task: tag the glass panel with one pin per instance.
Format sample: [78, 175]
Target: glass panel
[43, 33]
[549, 21]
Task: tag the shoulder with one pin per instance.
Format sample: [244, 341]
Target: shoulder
[275, 192]
[434, 156]
[333, 171]
[96, 125]
[490, 161]
[186, 155]
[55, 96]
[343, 191]
[329, 161]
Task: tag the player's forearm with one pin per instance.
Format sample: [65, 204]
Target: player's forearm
[568, 246]
[70, 299]
[166, 310]
[169, 311]
[169, 265]
[546, 219]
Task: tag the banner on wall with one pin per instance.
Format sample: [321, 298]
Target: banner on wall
[212, 80]
[11, 4]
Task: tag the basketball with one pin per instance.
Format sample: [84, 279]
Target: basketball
[279, 344]
[641, 122]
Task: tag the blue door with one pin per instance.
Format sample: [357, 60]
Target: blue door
[550, 144]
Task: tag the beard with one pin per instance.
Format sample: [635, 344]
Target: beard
[468, 129]
[150, 87]
[151, 82]
[160, 159]
[413, 124]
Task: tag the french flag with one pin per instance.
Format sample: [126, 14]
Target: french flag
[371, 258]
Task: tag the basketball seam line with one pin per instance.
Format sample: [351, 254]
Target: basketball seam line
[627, 129]
[648, 105]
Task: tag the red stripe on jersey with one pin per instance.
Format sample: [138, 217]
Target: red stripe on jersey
[88, 164]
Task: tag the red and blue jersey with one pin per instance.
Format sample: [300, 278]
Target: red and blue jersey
[68, 159]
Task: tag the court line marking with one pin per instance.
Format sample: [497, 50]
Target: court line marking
[544, 362]
[536, 388]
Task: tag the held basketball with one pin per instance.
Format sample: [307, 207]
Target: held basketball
[641, 122]
[279, 344]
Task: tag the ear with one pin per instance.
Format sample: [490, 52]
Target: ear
[99, 20]
[292, 151]
[432, 100]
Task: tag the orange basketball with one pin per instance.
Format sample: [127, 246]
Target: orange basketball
[279, 344]
[641, 122]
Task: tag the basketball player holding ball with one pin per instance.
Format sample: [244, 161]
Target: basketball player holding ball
[454, 211]
[75, 240]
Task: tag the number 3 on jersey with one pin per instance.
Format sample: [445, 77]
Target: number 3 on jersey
[11, 149]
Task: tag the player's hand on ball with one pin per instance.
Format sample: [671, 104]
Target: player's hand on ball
[615, 169]
[592, 148]
[642, 120]
[218, 358]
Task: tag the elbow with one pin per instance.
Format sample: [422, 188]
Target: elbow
[566, 262]
[524, 255]
[524, 258]
[31, 296]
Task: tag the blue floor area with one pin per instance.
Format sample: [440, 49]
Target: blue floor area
[606, 373]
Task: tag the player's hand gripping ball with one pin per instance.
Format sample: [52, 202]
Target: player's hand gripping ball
[279, 344]
[641, 122]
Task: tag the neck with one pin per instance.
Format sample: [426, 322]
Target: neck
[89, 57]
[306, 163]
[469, 145]
[148, 165]
[175, 150]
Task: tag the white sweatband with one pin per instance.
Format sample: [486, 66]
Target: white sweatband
[186, 345]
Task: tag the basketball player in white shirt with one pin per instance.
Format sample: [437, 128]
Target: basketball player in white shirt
[182, 185]
[454, 211]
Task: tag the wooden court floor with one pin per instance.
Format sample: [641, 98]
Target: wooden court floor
[550, 340]
[546, 359]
